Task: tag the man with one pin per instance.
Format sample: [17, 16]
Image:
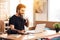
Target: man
[17, 21]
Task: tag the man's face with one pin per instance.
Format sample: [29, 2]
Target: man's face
[21, 11]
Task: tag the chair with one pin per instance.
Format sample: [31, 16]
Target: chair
[2, 28]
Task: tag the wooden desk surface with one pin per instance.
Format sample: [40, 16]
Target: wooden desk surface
[47, 34]
[14, 38]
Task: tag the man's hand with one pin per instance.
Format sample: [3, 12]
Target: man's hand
[27, 22]
[21, 31]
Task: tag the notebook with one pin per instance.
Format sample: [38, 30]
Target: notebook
[39, 28]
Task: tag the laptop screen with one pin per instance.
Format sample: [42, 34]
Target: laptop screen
[40, 27]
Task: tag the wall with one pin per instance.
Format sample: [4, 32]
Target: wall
[13, 4]
[4, 9]
[54, 10]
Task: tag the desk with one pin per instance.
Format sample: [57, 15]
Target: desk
[46, 34]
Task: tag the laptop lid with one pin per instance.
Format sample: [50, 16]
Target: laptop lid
[40, 28]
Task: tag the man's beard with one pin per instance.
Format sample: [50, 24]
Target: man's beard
[20, 14]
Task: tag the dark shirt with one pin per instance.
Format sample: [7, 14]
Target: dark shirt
[18, 22]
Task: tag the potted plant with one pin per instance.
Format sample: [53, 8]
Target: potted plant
[57, 27]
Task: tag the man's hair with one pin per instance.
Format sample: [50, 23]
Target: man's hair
[19, 7]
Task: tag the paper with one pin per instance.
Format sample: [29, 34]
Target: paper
[3, 35]
[27, 37]
[49, 32]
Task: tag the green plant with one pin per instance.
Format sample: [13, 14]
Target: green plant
[56, 25]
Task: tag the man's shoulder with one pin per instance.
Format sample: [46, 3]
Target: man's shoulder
[12, 17]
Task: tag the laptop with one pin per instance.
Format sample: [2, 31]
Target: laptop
[39, 28]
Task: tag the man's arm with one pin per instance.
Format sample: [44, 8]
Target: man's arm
[19, 31]
[12, 27]
[11, 23]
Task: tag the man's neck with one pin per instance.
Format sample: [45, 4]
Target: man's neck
[18, 15]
